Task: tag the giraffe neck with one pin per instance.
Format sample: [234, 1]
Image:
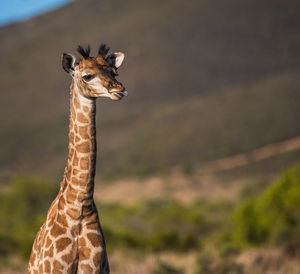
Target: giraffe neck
[78, 183]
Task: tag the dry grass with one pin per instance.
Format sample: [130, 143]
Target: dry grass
[174, 186]
[124, 262]
[268, 261]
[259, 261]
[204, 182]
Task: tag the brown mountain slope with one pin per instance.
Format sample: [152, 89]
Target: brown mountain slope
[244, 55]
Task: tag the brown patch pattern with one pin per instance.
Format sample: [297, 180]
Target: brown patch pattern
[97, 258]
[82, 118]
[83, 147]
[94, 239]
[62, 244]
[86, 268]
[57, 230]
[49, 253]
[47, 266]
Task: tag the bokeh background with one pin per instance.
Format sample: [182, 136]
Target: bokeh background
[197, 169]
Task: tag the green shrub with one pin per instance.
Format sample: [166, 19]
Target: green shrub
[22, 211]
[155, 225]
[274, 216]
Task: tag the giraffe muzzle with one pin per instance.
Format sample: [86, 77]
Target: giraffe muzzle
[119, 93]
[122, 93]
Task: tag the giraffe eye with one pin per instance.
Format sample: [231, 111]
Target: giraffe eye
[88, 77]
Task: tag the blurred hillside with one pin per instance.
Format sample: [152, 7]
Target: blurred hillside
[206, 80]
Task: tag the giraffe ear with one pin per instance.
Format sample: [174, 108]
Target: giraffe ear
[115, 59]
[68, 62]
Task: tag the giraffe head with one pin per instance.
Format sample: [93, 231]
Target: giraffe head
[96, 76]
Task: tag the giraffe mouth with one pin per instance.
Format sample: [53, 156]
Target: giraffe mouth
[120, 94]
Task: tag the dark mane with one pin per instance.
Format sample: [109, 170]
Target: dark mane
[84, 52]
[103, 50]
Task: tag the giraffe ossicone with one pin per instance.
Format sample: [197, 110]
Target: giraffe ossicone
[71, 239]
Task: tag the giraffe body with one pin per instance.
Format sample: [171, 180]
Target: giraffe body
[71, 239]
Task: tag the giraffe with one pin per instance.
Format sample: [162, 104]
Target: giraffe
[71, 239]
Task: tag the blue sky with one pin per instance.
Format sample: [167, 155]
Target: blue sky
[18, 10]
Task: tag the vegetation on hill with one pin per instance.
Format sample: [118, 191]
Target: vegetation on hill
[269, 219]
[22, 211]
[273, 217]
[152, 225]
[158, 225]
